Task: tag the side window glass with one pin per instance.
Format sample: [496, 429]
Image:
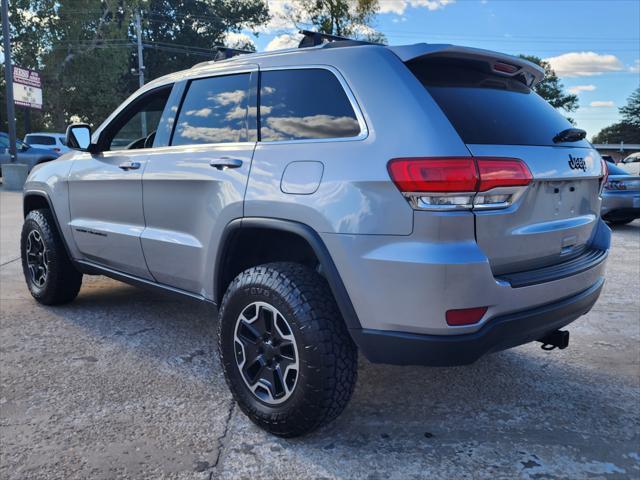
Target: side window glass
[214, 110]
[138, 127]
[304, 104]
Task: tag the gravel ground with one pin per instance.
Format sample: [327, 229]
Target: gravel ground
[124, 383]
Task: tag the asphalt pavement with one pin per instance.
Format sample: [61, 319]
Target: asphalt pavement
[125, 383]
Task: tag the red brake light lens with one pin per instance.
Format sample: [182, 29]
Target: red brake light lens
[457, 174]
[505, 67]
[434, 174]
[605, 174]
[465, 316]
[507, 172]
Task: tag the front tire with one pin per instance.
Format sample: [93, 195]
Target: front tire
[285, 350]
[51, 277]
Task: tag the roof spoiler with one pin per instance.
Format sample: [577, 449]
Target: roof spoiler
[501, 64]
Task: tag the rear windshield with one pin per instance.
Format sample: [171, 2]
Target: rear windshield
[40, 140]
[486, 108]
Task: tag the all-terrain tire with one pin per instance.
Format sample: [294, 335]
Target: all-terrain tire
[62, 281]
[327, 355]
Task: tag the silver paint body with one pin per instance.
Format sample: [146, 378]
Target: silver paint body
[403, 269]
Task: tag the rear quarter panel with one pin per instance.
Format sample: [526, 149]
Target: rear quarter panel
[356, 195]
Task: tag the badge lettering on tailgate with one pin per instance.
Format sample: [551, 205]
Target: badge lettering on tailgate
[577, 163]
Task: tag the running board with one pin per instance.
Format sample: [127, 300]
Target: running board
[95, 269]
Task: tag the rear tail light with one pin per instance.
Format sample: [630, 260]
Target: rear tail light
[460, 182]
[605, 175]
[465, 316]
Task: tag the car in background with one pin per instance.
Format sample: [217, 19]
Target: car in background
[51, 141]
[631, 164]
[620, 196]
[27, 154]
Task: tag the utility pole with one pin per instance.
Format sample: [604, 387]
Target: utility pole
[140, 59]
[140, 68]
[8, 76]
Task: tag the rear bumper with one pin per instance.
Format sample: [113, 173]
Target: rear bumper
[500, 333]
[618, 205]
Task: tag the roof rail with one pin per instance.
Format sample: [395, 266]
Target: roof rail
[313, 39]
[224, 53]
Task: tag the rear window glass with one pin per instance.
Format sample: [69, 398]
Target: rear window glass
[304, 104]
[486, 108]
[40, 140]
[615, 170]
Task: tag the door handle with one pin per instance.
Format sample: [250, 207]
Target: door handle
[129, 165]
[225, 162]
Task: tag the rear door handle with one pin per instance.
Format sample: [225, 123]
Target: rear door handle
[129, 165]
[225, 162]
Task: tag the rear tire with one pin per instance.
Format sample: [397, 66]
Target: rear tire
[307, 336]
[621, 221]
[51, 277]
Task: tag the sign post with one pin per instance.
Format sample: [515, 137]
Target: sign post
[11, 114]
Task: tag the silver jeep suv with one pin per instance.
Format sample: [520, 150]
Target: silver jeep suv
[419, 203]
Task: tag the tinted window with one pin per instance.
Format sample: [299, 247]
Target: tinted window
[40, 140]
[304, 104]
[486, 108]
[214, 111]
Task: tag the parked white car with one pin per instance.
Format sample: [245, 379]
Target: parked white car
[51, 141]
[631, 164]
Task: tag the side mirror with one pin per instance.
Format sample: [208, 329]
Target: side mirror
[79, 137]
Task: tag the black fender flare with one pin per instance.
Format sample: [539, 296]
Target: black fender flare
[304, 231]
[43, 194]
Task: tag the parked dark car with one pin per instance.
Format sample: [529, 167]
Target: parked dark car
[27, 154]
[620, 196]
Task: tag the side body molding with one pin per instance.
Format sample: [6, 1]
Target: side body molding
[317, 245]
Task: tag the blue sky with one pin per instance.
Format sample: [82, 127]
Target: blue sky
[593, 44]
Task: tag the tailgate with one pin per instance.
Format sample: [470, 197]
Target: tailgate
[554, 219]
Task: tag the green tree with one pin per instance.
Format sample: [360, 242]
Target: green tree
[551, 88]
[628, 130]
[179, 34]
[347, 18]
[618, 132]
[631, 111]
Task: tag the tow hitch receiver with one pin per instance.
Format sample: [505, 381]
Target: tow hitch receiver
[558, 339]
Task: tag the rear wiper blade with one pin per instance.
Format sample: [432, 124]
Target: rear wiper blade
[570, 135]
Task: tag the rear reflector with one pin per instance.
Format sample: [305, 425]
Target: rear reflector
[465, 316]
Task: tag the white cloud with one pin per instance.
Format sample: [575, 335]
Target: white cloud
[287, 40]
[238, 40]
[203, 112]
[399, 6]
[584, 64]
[635, 68]
[602, 104]
[582, 88]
